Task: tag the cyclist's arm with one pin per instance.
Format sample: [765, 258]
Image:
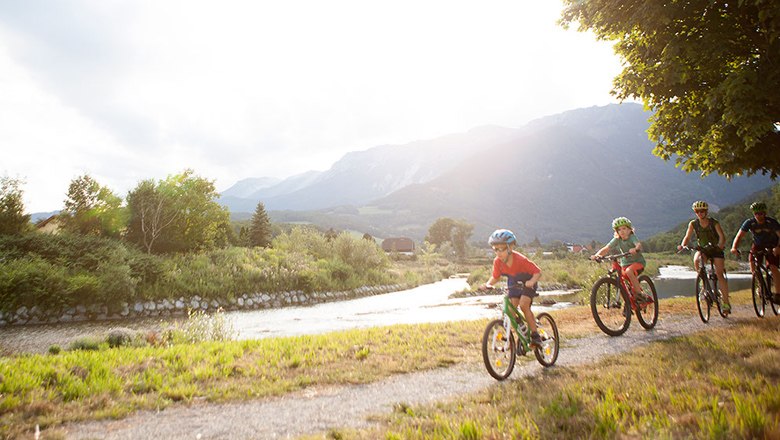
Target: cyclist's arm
[776, 250]
[687, 237]
[721, 237]
[601, 252]
[636, 248]
[490, 283]
[737, 239]
[534, 278]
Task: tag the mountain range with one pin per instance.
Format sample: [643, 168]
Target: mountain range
[562, 177]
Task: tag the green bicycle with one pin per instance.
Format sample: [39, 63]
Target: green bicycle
[499, 349]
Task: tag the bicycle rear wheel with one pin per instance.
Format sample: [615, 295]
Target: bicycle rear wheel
[758, 290]
[719, 301]
[498, 350]
[611, 311]
[703, 300]
[548, 331]
[647, 312]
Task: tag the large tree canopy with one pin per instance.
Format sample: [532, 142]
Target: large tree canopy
[710, 71]
[178, 214]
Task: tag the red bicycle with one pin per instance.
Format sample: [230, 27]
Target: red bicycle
[612, 300]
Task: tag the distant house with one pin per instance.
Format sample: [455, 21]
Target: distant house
[398, 244]
[577, 248]
[49, 226]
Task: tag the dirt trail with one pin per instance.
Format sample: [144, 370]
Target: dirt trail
[319, 409]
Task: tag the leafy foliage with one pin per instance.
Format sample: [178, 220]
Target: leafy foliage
[446, 230]
[178, 214]
[92, 209]
[709, 70]
[13, 220]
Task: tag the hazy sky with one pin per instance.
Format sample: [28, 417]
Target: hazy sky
[131, 90]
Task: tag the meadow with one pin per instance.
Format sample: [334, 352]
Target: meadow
[724, 381]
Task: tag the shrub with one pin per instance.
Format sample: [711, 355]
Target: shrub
[118, 337]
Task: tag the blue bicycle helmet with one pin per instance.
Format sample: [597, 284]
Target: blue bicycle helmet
[502, 236]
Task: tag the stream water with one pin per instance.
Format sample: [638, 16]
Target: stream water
[427, 303]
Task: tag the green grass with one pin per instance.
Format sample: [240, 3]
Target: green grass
[721, 383]
[86, 384]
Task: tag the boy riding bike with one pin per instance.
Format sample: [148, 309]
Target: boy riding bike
[766, 235]
[712, 241]
[522, 275]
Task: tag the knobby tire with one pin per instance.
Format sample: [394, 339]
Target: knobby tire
[703, 299]
[647, 314]
[610, 308]
[547, 354]
[499, 357]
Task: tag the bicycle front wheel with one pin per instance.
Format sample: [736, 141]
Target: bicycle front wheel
[703, 301]
[647, 312]
[769, 294]
[758, 290]
[547, 354]
[498, 350]
[610, 309]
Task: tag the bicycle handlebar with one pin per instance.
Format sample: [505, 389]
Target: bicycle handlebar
[600, 258]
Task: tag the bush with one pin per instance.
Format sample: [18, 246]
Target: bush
[200, 327]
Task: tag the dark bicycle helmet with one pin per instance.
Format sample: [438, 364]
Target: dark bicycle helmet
[621, 221]
[758, 207]
[502, 236]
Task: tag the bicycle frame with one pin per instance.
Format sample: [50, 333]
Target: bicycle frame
[625, 284]
[514, 318]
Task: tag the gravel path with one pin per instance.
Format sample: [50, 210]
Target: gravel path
[319, 409]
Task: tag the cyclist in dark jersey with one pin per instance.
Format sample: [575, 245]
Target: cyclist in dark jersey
[766, 235]
[712, 241]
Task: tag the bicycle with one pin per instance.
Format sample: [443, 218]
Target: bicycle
[762, 284]
[707, 286]
[612, 300]
[499, 350]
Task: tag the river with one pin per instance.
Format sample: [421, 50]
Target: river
[427, 303]
[681, 281]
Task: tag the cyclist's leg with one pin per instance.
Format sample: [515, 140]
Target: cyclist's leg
[772, 262]
[525, 307]
[696, 261]
[722, 282]
[632, 273]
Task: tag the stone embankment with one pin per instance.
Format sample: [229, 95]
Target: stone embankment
[172, 307]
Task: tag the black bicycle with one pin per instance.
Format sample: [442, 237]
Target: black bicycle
[707, 291]
[761, 286]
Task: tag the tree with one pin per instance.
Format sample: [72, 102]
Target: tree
[178, 214]
[445, 230]
[13, 220]
[260, 227]
[151, 212]
[92, 209]
[708, 69]
[440, 231]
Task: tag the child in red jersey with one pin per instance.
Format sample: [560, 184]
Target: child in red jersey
[522, 275]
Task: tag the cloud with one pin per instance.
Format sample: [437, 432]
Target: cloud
[235, 89]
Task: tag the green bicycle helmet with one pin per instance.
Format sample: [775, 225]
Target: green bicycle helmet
[621, 221]
[699, 204]
[758, 207]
